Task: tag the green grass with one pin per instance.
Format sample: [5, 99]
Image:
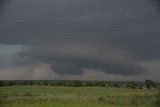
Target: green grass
[48, 96]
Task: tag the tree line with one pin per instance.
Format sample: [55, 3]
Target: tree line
[147, 84]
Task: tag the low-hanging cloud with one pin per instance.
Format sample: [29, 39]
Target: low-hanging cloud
[65, 58]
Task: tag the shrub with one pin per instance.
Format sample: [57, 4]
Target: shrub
[101, 99]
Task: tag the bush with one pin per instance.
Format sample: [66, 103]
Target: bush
[158, 98]
[28, 94]
[101, 99]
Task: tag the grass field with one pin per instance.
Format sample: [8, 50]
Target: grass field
[48, 96]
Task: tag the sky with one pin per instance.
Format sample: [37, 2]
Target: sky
[80, 40]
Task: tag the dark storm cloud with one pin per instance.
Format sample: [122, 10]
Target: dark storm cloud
[70, 35]
[157, 2]
[144, 47]
[74, 66]
[3, 6]
[72, 8]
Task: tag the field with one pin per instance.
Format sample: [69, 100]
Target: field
[51, 96]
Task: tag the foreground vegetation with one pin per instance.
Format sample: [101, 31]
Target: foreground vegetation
[56, 96]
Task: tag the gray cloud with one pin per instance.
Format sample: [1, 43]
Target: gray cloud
[74, 35]
[71, 59]
[2, 5]
[75, 67]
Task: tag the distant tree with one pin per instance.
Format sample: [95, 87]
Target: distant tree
[99, 84]
[113, 84]
[9, 83]
[102, 84]
[77, 83]
[116, 85]
[1, 83]
[131, 85]
[89, 83]
[149, 84]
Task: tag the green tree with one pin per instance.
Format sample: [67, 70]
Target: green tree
[1, 83]
[149, 84]
[77, 83]
[131, 85]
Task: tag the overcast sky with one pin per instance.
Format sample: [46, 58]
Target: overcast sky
[80, 39]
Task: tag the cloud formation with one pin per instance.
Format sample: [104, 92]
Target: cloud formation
[71, 36]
